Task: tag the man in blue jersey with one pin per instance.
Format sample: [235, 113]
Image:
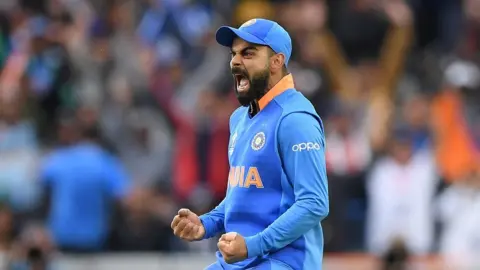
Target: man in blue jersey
[277, 186]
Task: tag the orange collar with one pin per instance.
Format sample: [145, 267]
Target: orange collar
[284, 84]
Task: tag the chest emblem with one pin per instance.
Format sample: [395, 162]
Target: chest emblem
[258, 141]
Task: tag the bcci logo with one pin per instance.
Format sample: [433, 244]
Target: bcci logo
[233, 141]
[258, 141]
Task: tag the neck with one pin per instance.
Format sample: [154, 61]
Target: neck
[274, 79]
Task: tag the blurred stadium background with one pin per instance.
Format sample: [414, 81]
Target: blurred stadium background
[114, 113]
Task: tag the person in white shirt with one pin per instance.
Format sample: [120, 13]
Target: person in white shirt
[459, 213]
[400, 192]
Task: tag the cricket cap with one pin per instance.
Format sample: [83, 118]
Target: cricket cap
[260, 32]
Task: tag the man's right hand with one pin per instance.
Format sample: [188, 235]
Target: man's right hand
[187, 225]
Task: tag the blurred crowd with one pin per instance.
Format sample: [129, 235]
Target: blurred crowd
[114, 113]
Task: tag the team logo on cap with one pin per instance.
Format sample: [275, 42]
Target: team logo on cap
[258, 141]
[249, 22]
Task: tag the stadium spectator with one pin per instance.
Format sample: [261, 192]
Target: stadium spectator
[348, 158]
[400, 190]
[82, 182]
[200, 165]
[20, 153]
[455, 113]
[415, 115]
[458, 210]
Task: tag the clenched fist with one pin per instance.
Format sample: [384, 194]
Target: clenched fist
[188, 226]
[233, 247]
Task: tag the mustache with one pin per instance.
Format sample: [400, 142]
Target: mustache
[239, 71]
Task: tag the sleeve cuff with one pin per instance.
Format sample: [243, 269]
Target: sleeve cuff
[208, 225]
[254, 245]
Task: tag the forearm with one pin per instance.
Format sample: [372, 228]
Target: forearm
[334, 61]
[392, 58]
[296, 221]
[213, 221]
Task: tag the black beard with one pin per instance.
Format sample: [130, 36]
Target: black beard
[258, 85]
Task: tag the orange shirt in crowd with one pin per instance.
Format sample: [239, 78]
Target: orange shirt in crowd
[456, 153]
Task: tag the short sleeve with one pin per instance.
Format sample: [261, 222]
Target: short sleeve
[116, 178]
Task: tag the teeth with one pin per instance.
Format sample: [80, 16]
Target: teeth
[243, 82]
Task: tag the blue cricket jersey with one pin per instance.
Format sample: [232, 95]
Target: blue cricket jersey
[277, 186]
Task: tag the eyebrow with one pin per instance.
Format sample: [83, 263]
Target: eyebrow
[246, 49]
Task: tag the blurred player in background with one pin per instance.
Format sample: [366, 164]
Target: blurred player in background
[277, 186]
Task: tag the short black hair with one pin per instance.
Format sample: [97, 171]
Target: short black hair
[284, 69]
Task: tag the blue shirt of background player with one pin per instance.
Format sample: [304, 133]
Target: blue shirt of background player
[83, 181]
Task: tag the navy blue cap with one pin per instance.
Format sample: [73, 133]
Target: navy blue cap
[261, 32]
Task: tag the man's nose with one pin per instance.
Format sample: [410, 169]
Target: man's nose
[236, 61]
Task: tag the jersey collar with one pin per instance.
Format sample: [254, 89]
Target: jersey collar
[284, 84]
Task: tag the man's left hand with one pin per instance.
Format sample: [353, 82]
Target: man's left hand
[233, 247]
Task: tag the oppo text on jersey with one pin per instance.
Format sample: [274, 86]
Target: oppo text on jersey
[309, 146]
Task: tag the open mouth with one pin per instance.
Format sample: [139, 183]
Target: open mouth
[242, 82]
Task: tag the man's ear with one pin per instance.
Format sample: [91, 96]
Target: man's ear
[277, 61]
